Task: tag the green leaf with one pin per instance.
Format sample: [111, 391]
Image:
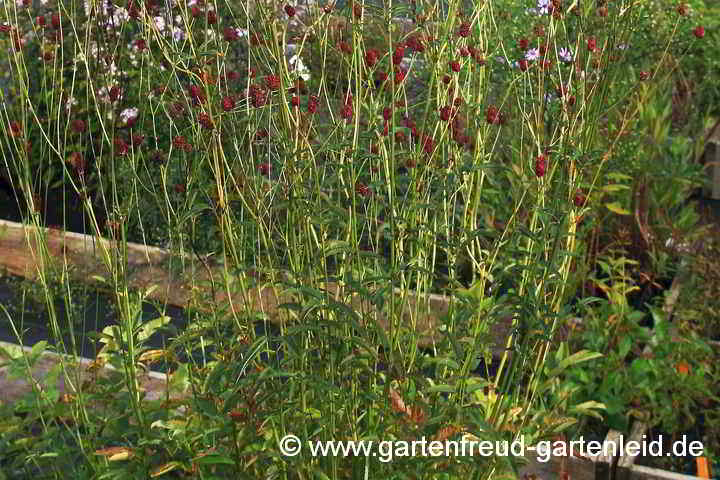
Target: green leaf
[616, 208]
[165, 468]
[337, 246]
[574, 359]
[150, 327]
[589, 408]
[36, 351]
[442, 388]
[625, 345]
[213, 460]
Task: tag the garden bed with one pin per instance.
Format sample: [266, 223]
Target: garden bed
[369, 227]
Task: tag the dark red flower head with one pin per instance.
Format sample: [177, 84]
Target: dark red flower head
[346, 112]
[272, 82]
[121, 148]
[445, 113]
[290, 10]
[493, 115]
[345, 47]
[114, 93]
[230, 34]
[699, 31]
[259, 96]
[540, 166]
[228, 103]
[362, 189]
[398, 54]
[15, 128]
[178, 142]
[416, 43]
[464, 30]
[196, 93]
[78, 126]
[579, 199]
[592, 44]
[264, 168]
[312, 104]
[205, 120]
[428, 144]
[371, 57]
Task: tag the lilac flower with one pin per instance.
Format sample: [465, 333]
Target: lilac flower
[159, 23]
[542, 7]
[532, 54]
[128, 114]
[120, 16]
[178, 34]
[566, 54]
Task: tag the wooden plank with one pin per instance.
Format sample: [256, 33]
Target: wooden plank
[185, 281]
[626, 461]
[591, 467]
[640, 472]
[78, 372]
[711, 159]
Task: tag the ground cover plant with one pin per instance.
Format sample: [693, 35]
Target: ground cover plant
[476, 150]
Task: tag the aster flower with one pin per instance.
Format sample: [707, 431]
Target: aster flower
[566, 55]
[119, 16]
[159, 23]
[542, 7]
[178, 34]
[532, 54]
